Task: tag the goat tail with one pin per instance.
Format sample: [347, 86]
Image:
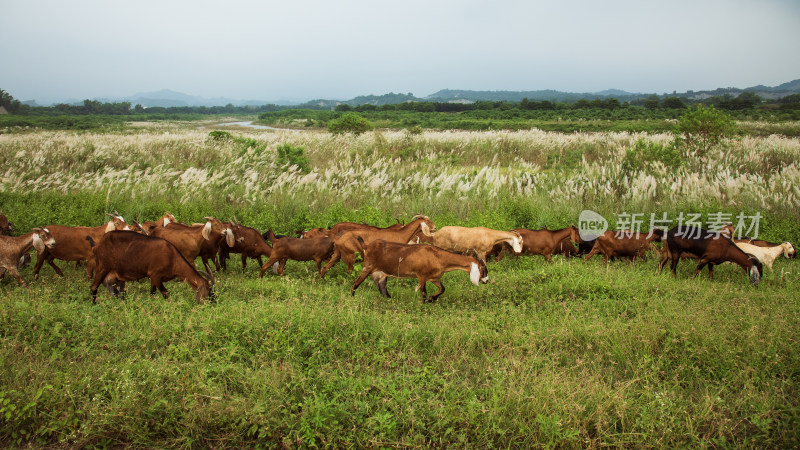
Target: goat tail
[91, 241]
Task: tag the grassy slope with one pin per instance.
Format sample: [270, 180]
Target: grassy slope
[567, 353]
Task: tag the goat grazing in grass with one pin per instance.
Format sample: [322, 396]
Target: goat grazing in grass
[767, 255]
[129, 256]
[710, 249]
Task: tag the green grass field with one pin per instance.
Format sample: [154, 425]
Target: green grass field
[568, 354]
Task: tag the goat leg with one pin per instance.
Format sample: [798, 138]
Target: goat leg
[423, 291]
[334, 259]
[266, 266]
[13, 272]
[438, 284]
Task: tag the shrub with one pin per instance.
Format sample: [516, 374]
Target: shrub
[217, 135]
[349, 123]
[704, 127]
[292, 156]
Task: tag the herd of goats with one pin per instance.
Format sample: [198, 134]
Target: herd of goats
[117, 252]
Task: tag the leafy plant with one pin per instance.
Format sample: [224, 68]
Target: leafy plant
[292, 156]
[218, 135]
[704, 127]
[349, 123]
[644, 153]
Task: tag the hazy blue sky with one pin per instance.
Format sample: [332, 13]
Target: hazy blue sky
[303, 49]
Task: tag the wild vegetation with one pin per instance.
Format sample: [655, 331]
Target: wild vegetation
[565, 354]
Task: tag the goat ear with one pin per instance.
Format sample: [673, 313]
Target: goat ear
[206, 230]
[426, 229]
[229, 237]
[38, 244]
[110, 227]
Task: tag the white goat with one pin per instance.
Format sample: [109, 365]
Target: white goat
[767, 255]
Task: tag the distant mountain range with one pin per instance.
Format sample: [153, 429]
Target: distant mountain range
[169, 98]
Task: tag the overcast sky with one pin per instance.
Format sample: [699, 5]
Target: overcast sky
[53, 50]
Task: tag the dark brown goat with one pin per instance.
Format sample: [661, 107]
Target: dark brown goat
[624, 244]
[129, 256]
[710, 249]
[72, 245]
[297, 249]
[13, 249]
[424, 262]
[249, 243]
[543, 242]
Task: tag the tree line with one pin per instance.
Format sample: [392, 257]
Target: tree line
[744, 101]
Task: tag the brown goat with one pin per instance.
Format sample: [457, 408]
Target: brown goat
[341, 227]
[249, 243]
[297, 249]
[346, 246]
[543, 242]
[189, 240]
[166, 219]
[424, 262]
[757, 242]
[13, 249]
[625, 244]
[124, 256]
[710, 249]
[72, 245]
[314, 233]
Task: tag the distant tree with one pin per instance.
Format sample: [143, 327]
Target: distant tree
[651, 102]
[8, 102]
[704, 127]
[745, 100]
[674, 103]
[582, 104]
[790, 102]
[349, 122]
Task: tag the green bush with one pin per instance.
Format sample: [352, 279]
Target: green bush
[349, 123]
[217, 135]
[704, 127]
[645, 153]
[292, 156]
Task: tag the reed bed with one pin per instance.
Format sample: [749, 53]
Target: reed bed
[390, 170]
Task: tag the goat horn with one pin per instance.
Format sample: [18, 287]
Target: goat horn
[208, 276]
